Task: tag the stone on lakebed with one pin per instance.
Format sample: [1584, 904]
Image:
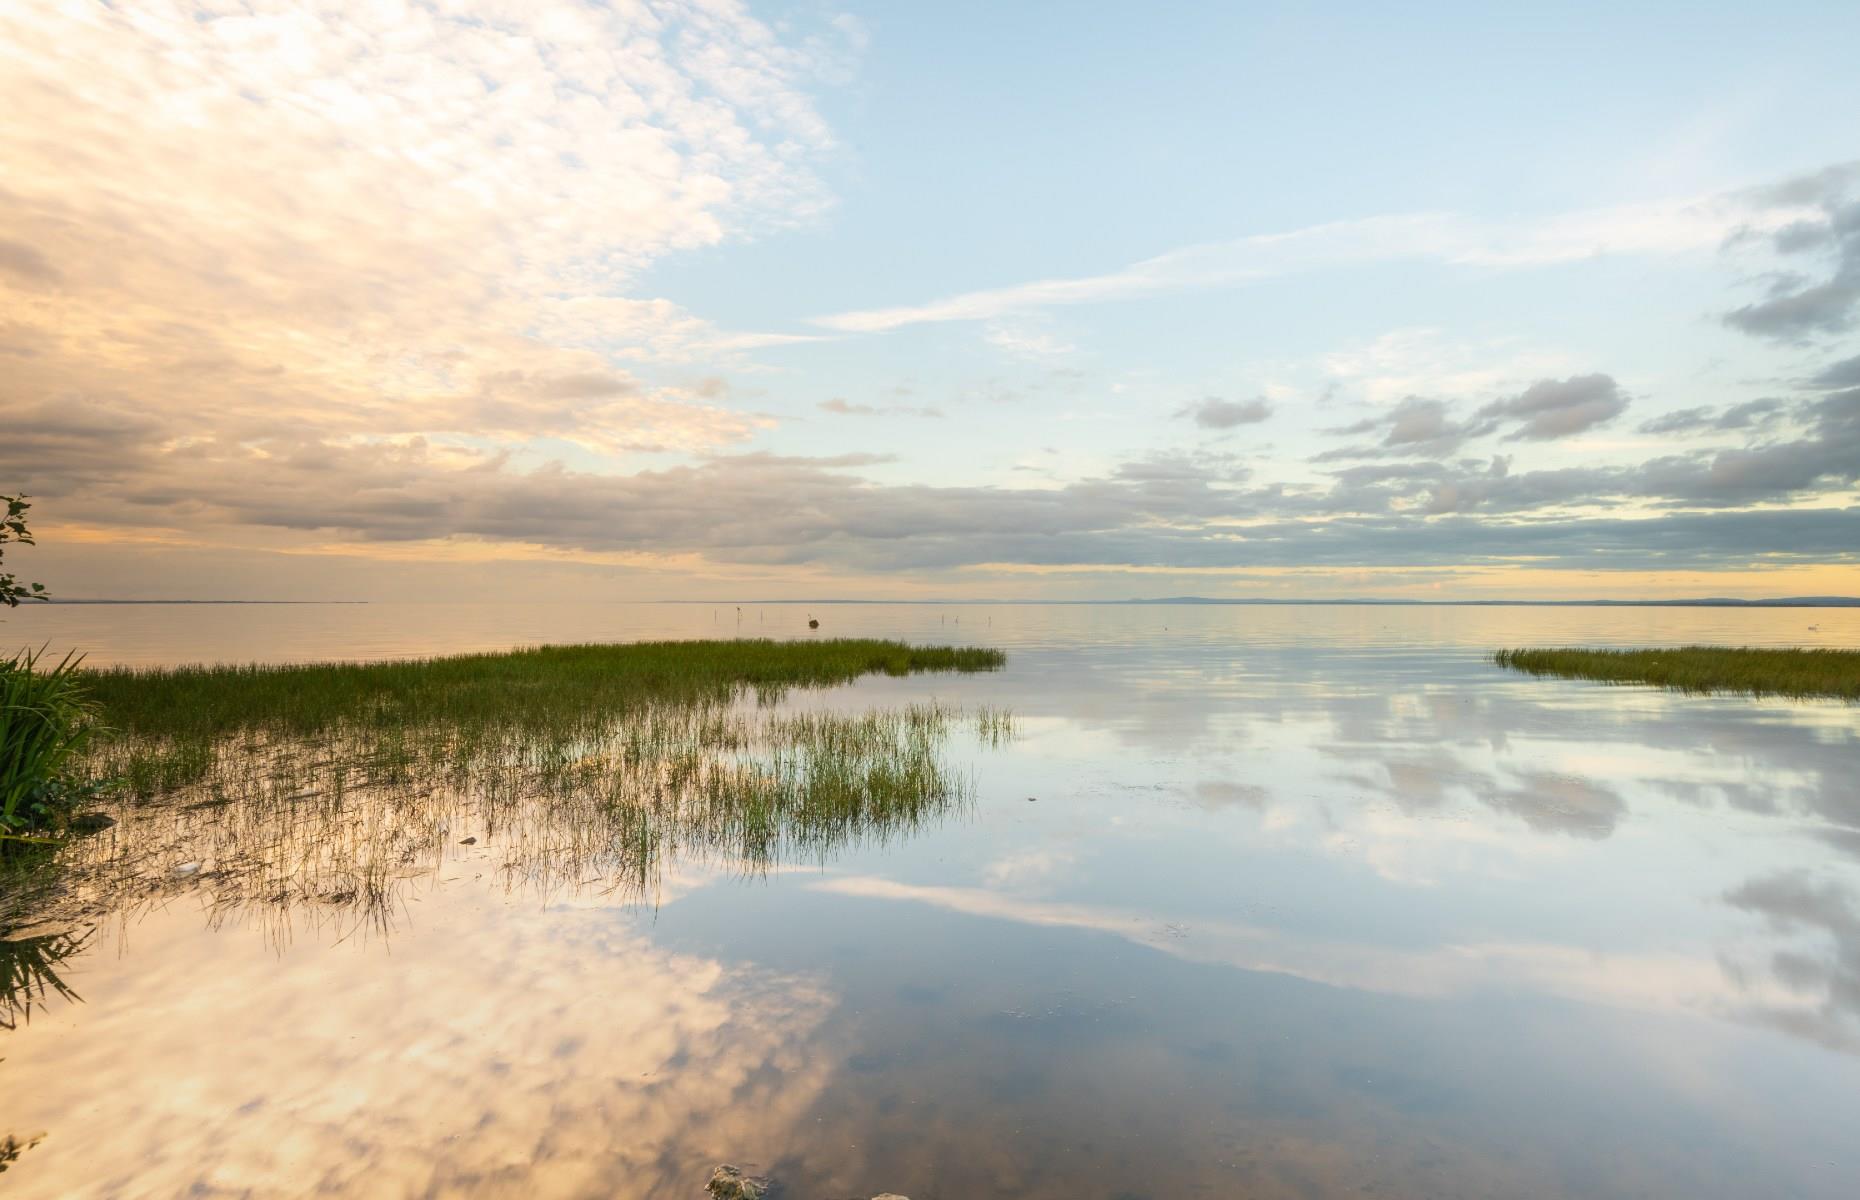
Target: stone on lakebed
[729, 1183]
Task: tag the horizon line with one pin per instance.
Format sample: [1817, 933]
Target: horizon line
[1345, 601]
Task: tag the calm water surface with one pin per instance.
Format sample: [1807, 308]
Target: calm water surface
[1259, 902]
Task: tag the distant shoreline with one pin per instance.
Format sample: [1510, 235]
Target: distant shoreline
[1192, 601]
[63, 601]
[1179, 601]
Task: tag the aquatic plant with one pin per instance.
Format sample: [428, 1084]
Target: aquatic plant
[46, 723]
[1753, 670]
[172, 716]
[573, 767]
[340, 826]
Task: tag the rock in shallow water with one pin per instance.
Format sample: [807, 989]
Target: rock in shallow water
[729, 1183]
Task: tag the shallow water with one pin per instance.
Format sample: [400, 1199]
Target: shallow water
[1260, 901]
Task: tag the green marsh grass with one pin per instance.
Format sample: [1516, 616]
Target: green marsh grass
[1751, 670]
[173, 718]
[305, 793]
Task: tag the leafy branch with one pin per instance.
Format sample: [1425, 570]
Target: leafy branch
[13, 529]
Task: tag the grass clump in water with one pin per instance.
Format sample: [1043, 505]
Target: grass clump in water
[1783, 672]
[333, 789]
[296, 828]
[174, 719]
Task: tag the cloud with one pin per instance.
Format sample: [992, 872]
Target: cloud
[1024, 342]
[1826, 457]
[25, 263]
[1215, 413]
[846, 408]
[1546, 410]
[1673, 227]
[365, 278]
[1797, 306]
[1750, 414]
[319, 226]
[1425, 362]
[1823, 457]
[1553, 408]
[1417, 425]
[1843, 374]
[116, 466]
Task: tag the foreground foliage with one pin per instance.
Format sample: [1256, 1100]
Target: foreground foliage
[13, 529]
[46, 723]
[1787, 672]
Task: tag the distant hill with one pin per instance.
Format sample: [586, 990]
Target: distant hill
[1700, 602]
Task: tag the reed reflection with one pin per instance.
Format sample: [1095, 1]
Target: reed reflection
[335, 831]
[30, 972]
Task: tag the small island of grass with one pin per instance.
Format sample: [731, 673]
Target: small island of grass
[536, 686]
[1750, 670]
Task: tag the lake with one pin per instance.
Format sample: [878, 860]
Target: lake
[1255, 901]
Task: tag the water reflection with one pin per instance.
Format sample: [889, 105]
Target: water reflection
[566, 1055]
[1268, 912]
[1818, 966]
[30, 972]
[1434, 774]
[339, 831]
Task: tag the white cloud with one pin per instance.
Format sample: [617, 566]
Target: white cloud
[1676, 227]
[1425, 362]
[1023, 341]
[364, 221]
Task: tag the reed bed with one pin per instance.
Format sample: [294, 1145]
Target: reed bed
[341, 827]
[325, 793]
[173, 719]
[1749, 670]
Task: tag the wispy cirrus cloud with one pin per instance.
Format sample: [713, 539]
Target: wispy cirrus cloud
[1688, 225]
[840, 406]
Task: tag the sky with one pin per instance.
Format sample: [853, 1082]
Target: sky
[709, 300]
